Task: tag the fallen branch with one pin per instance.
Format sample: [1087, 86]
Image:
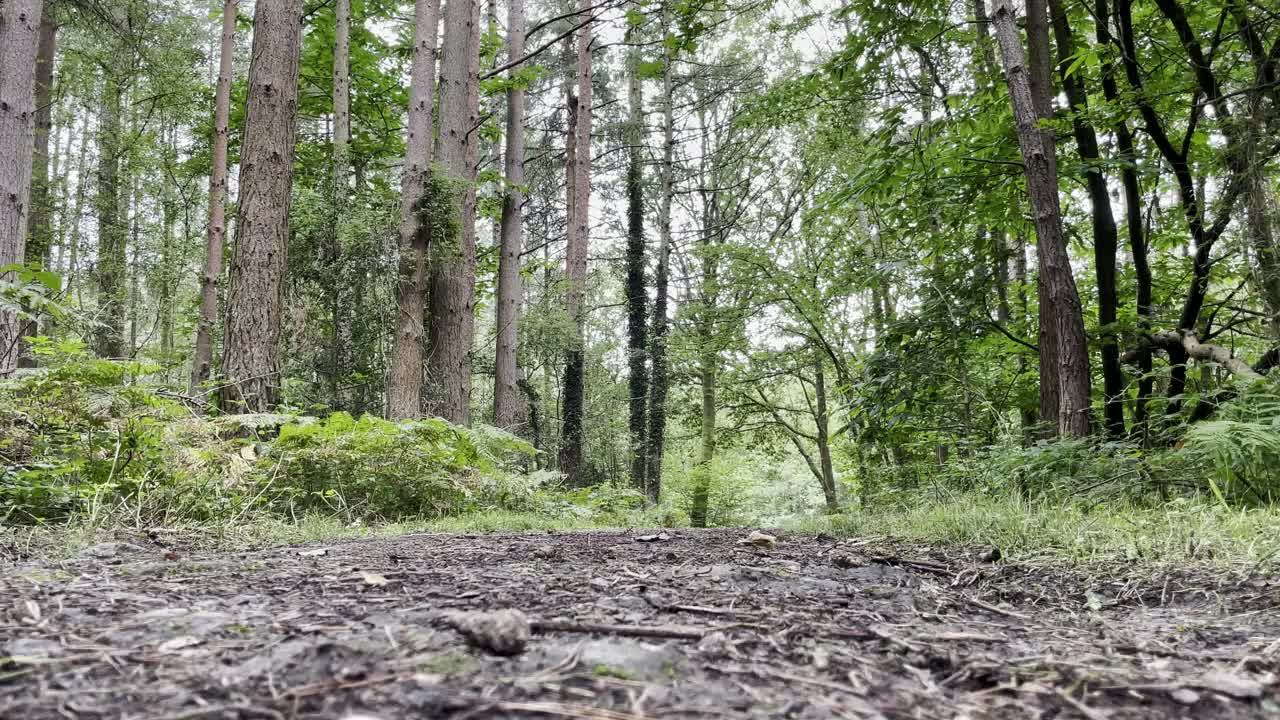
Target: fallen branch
[671, 632]
[1191, 345]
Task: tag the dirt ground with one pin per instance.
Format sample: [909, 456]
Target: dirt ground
[622, 624]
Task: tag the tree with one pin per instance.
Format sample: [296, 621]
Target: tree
[202, 362]
[19, 43]
[251, 358]
[112, 264]
[453, 267]
[40, 221]
[576, 258]
[1064, 361]
[636, 295]
[506, 395]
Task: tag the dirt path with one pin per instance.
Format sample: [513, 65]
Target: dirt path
[703, 627]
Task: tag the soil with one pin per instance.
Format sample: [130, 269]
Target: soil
[612, 625]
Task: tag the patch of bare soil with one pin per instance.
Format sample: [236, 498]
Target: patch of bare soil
[606, 626]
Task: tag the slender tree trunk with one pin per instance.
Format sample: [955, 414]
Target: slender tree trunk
[404, 381]
[1133, 218]
[202, 362]
[340, 281]
[112, 232]
[1064, 360]
[135, 227]
[453, 268]
[822, 420]
[705, 317]
[19, 43]
[166, 275]
[251, 359]
[571, 460]
[637, 298]
[1105, 234]
[77, 211]
[658, 336]
[506, 394]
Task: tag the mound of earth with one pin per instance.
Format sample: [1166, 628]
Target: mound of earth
[615, 625]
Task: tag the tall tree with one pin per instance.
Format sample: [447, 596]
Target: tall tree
[338, 290]
[506, 394]
[404, 381]
[202, 362]
[1105, 232]
[40, 221]
[112, 231]
[19, 43]
[453, 267]
[1064, 360]
[576, 261]
[637, 297]
[251, 358]
[658, 336]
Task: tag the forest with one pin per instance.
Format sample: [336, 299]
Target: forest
[626, 359]
[700, 262]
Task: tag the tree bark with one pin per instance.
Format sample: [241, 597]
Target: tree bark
[658, 336]
[506, 395]
[404, 380]
[453, 269]
[340, 281]
[202, 362]
[822, 419]
[637, 298]
[1105, 234]
[19, 43]
[1064, 360]
[112, 232]
[571, 460]
[77, 211]
[251, 358]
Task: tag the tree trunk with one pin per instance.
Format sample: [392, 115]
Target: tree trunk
[1064, 361]
[506, 371]
[704, 318]
[77, 211]
[251, 359]
[658, 336]
[822, 420]
[453, 270]
[166, 274]
[1105, 235]
[404, 380]
[637, 298]
[40, 221]
[571, 461]
[135, 227]
[19, 43]
[202, 362]
[112, 232]
[340, 281]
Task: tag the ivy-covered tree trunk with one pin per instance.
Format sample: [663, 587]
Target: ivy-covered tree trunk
[453, 267]
[506, 371]
[112, 232]
[202, 362]
[1105, 234]
[637, 298]
[658, 336]
[1064, 360]
[19, 41]
[404, 380]
[251, 359]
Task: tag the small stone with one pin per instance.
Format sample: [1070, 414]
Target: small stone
[1185, 696]
[501, 632]
[1231, 684]
[845, 561]
[990, 555]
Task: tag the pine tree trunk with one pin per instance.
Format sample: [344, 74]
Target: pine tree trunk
[40, 221]
[658, 336]
[453, 267]
[340, 281]
[135, 227]
[19, 43]
[112, 232]
[637, 298]
[77, 210]
[571, 461]
[506, 394]
[1105, 234]
[251, 358]
[404, 381]
[202, 361]
[1064, 361]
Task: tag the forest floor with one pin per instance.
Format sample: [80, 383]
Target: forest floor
[615, 625]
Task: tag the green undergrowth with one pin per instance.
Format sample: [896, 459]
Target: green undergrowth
[1179, 533]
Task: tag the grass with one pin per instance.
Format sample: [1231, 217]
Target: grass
[1181, 532]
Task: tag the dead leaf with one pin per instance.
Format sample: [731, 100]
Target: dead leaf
[760, 540]
[1236, 686]
[313, 552]
[501, 632]
[660, 537]
[33, 610]
[373, 579]
[173, 645]
[248, 453]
